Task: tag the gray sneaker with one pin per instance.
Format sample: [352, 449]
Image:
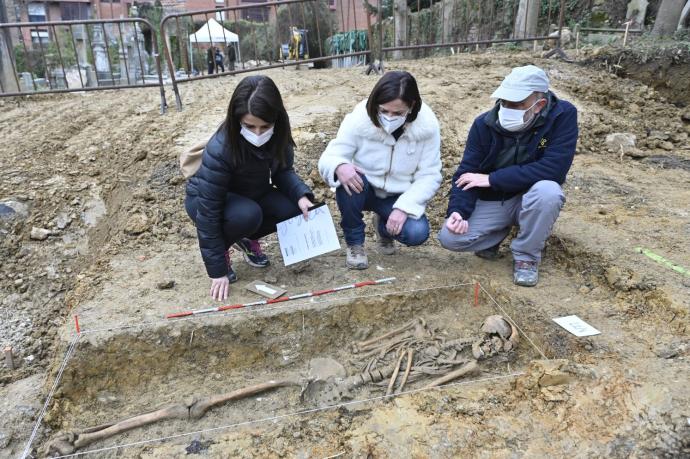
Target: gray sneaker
[525, 273]
[356, 257]
[386, 245]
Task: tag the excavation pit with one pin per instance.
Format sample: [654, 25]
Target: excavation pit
[113, 376]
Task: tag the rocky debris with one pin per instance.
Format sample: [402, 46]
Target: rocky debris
[11, 209]
[549, 379]
[685, 117]
[39, 234]
[622, 142]
[63, 220]
[673, 350]
[187, 232]
[165, 285]
[137, 224]
[19, 403]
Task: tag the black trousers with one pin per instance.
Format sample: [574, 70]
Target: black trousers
[245, 217]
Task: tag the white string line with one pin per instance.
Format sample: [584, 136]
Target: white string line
[257, 309]
[296, 413]
[68, 355]
[513, 322]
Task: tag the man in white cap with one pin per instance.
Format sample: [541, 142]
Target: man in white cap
[516, 158]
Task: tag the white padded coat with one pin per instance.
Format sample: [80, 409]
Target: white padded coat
[410, 167]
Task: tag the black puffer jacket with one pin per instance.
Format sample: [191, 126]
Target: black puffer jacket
[217, 176]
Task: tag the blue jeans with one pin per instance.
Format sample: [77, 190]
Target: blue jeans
[414, 232]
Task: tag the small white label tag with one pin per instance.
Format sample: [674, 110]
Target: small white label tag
[263, 288]
[576, 326]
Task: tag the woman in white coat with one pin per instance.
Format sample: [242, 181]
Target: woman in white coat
[385, 159]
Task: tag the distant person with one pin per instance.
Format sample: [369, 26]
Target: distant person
[246, 182]
[211, 60]
[516, 157]
[232, 57]
[219, 61]
[385, 159]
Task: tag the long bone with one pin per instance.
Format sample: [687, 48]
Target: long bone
[410, 353]
[469, 368]
[396, 370]
[192, 409]
[358, 347]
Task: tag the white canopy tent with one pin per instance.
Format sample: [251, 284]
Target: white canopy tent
[213, 32]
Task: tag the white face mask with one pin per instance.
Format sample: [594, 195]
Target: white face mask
[391, 123]
[256, 140]
[512, 119]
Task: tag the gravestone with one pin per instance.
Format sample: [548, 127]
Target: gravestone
[26, 81]
[91, 80]
[637, 10]
[100, 57]
[59, 79]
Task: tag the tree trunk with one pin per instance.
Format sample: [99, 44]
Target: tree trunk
[400, 16]
[526, 19]
[448, 20]
[7, 72]
[667, 18]
[684, 15]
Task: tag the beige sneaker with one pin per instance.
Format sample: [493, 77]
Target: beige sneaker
[385, 244]
[356, 257]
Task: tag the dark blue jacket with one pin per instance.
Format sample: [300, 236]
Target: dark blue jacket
[549, 152]
[253, 179]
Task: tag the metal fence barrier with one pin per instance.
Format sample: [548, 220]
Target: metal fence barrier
[93, 55]
[87, 55]
[253, 37]
[469, 24]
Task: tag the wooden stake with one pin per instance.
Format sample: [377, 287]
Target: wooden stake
[625, 35]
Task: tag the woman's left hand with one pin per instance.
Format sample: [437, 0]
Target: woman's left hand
[395, 222]
[304, 204]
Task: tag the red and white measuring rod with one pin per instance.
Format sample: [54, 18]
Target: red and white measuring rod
[281, 299]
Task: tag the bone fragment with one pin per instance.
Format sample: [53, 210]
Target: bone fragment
[410, 352]
[70, 442]
[169, 412]
[199, 408]
[395, 374]
[469, 368]
[391, 333]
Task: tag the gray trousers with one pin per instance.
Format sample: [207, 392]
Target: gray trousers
[534, 211]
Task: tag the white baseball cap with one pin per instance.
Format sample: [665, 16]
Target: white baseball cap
[521, 82]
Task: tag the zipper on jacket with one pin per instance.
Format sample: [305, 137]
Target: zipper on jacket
[390, 166]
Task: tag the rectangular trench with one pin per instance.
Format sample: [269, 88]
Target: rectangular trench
[113, 376]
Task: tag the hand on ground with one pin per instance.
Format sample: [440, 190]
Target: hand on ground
[220, 287]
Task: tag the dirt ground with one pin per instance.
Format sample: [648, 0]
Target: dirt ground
[98, 173]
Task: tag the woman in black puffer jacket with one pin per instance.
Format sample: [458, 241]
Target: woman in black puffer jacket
[246, 183]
